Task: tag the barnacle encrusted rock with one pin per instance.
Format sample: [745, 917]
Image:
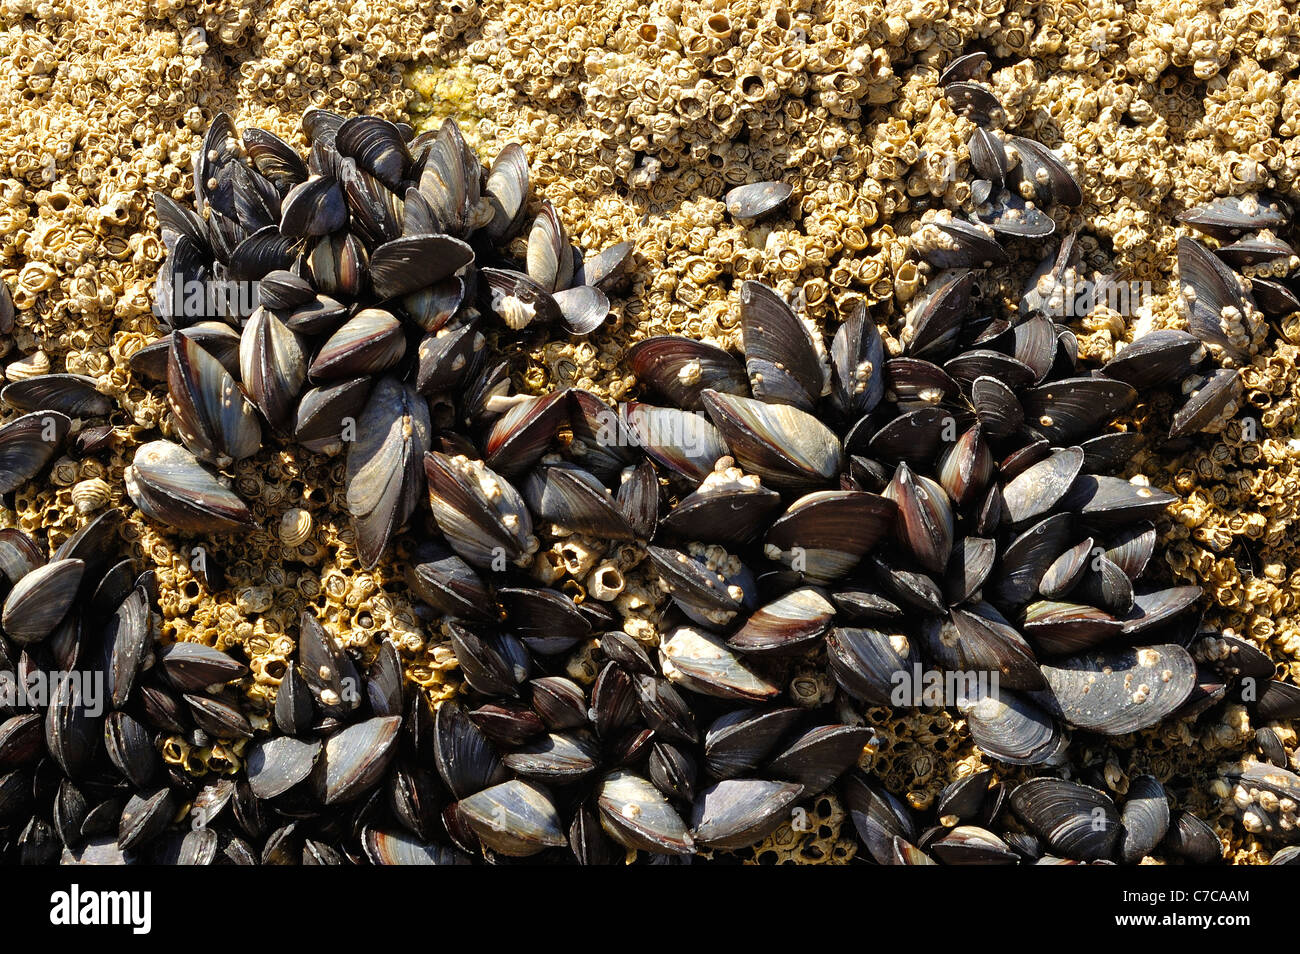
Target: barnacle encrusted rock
[631, 120]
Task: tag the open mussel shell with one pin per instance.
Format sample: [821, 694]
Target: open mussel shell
[384, 479]
[516, 818]
[1075, 820]
[786, 447]
[756, 200]
[549, 256]
[169, 485]
[484, 519]
[213, 416]
[215, 337]
[787, 624]
[680, 368]
[699, 660]
[517, 299]
[1121, 691]
[735, 813]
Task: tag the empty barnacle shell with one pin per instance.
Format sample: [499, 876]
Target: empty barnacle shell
[757, 199]
[680, 368]
[482, 516]
[1075, 820]
[383, 467]
[355, 758]
[273, 367]
[924, 522]
[1210, 399]
[39, 601]
[866, 663]
[787, 624]
[683, 441]
[701, 661]
[1121, 691]
[514, 818]
[786, 447]
[781, 357]
[27, 444]
[735, 813]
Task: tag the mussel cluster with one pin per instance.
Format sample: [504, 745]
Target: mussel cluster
[835, 531]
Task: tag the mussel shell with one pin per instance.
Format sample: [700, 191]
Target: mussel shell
[787, 624]
[700, 661]
[786, 447]
[1121, 691]
[515, 818]
[757, 199]
[736, 813]
[1075, 820]
[637, 815]
[1145, 819]
[680, 368]
[27, 444]
[866, 664]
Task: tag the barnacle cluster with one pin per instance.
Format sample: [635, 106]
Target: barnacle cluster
[636, 123]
